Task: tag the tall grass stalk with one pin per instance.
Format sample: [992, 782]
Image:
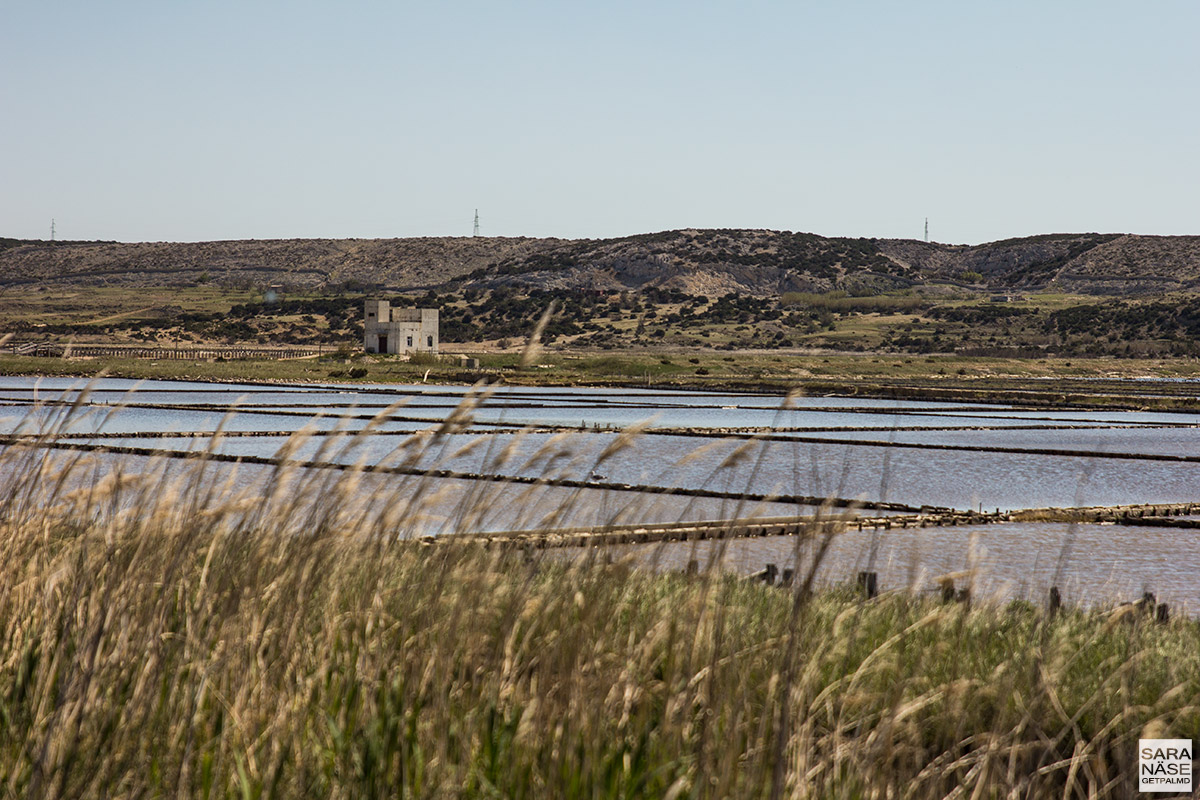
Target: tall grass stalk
[166, 633]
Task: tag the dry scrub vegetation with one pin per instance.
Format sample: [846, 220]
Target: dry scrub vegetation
[165, 634]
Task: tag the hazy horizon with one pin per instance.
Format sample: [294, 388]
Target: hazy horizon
[575, 238]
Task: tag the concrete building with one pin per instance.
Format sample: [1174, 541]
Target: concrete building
[400, 330]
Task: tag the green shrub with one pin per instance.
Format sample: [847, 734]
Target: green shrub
[423, 359]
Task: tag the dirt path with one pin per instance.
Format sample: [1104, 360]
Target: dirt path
[117, 316]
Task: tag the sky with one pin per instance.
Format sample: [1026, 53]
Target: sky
[165, 120]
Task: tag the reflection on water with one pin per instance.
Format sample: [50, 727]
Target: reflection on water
[856, 469]
[956, 479]
[1172, 440]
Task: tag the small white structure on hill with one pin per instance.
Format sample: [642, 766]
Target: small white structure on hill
[400, 330]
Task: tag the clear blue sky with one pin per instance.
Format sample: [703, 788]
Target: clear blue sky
[190, 121]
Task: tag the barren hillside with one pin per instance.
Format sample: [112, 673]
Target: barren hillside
[395, 263]
[711, 262]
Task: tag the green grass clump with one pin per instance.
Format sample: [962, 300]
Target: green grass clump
[840, 301]
[164, 634]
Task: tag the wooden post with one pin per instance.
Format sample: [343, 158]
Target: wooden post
[1055, 601]
[868, 582]
[947, 585]
[1148, 604]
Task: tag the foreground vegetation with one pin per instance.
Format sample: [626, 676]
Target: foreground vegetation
[166, 633]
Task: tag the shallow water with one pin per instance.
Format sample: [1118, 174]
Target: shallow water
[427, 506]
[1093, 565]
[859, 468]
[915, 477]
[1090, 564]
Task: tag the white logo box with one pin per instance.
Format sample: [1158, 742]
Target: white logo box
[1165, 765]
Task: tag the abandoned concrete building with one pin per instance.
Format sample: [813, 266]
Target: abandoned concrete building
[399, 330]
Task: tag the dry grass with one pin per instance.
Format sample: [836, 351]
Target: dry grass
[167, 635]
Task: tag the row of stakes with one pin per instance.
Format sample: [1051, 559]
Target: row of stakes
[868, 584]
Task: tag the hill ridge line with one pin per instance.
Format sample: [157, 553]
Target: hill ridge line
[759, 262]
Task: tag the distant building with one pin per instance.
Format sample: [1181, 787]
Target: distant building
[400, 330]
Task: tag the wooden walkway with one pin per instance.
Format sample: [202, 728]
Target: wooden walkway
[1162, 514]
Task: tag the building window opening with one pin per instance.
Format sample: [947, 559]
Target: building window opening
[410, 341]
[429, 341]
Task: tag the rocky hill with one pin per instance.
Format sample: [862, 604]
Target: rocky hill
[300, 263]
[710, 262]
